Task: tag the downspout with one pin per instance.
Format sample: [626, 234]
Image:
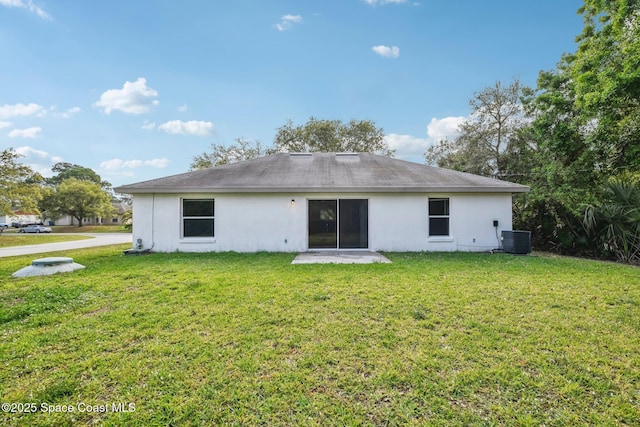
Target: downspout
[153, 219]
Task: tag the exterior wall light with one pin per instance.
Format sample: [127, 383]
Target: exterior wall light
[293, 202]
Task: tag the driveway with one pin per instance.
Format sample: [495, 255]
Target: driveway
[98, 239]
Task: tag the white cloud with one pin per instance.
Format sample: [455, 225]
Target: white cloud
[182, 108]
[147, 125]
[27, 151]
[408, 147]
[10, 111]
[4, 124]
[438, 129]
[70, 112]
[287, 21]
[193, 127]
[157, 163]
[115, 164]
[28, 5]
[38, 160]
[25, 133]
[67, 114]
[386, 51]
[383, 2]
[134, 98]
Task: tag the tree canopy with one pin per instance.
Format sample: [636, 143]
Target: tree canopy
[79, 199]
[65, 170]
[614, 225]
[314, 136]
[585, 126]
[332, 136]
[488, 133]
[19, 184]
[606, 73]
[242, 149]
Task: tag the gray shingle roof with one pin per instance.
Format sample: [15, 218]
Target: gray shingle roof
[323, 172]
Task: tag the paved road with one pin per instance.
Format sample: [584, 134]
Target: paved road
[98, 239]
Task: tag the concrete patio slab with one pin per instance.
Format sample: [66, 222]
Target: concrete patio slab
[340, 257]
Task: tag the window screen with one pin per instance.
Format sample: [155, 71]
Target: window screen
[198, 217]
[438, 217]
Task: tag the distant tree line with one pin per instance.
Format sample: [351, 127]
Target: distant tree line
[73, 190]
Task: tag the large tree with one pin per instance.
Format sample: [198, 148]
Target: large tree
[19, 184]
[606, 72]
[79, 199]
[65, 170]
[332, 136]
[586, 126]
[486, 135]
[560, 167]
[242, 149]
[314, 136]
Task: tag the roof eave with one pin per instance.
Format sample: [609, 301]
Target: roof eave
[404, 189]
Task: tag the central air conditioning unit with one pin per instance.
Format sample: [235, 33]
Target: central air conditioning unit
[516, 242]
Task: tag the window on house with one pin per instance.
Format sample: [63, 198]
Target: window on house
[438, 217]
[198, 217]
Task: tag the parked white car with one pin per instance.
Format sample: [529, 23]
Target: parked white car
[35, 229]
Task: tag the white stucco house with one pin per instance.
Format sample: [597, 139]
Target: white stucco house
[20, 217]
[119, 208]
[295, 202]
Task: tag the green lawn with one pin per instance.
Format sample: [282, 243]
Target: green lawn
[90, 229]
[432, 339]
[20, 239]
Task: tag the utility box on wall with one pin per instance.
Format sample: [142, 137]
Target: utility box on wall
[516, 241]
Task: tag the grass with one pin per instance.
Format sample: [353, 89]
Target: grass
[19, 239]
[90, 229]
[432, 339]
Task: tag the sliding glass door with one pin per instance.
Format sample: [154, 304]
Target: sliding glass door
[339, 224]
[323, 226]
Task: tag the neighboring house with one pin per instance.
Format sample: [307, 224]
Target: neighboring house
[20, 217]
[119, 209]
[116, 219]
[291, 202]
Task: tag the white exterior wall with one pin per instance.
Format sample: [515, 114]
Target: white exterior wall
[18, 218]
[401, 222]
[269, 222]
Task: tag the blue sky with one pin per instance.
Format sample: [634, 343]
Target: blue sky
[136, 89]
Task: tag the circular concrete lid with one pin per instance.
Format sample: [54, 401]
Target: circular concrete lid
[56, 260]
